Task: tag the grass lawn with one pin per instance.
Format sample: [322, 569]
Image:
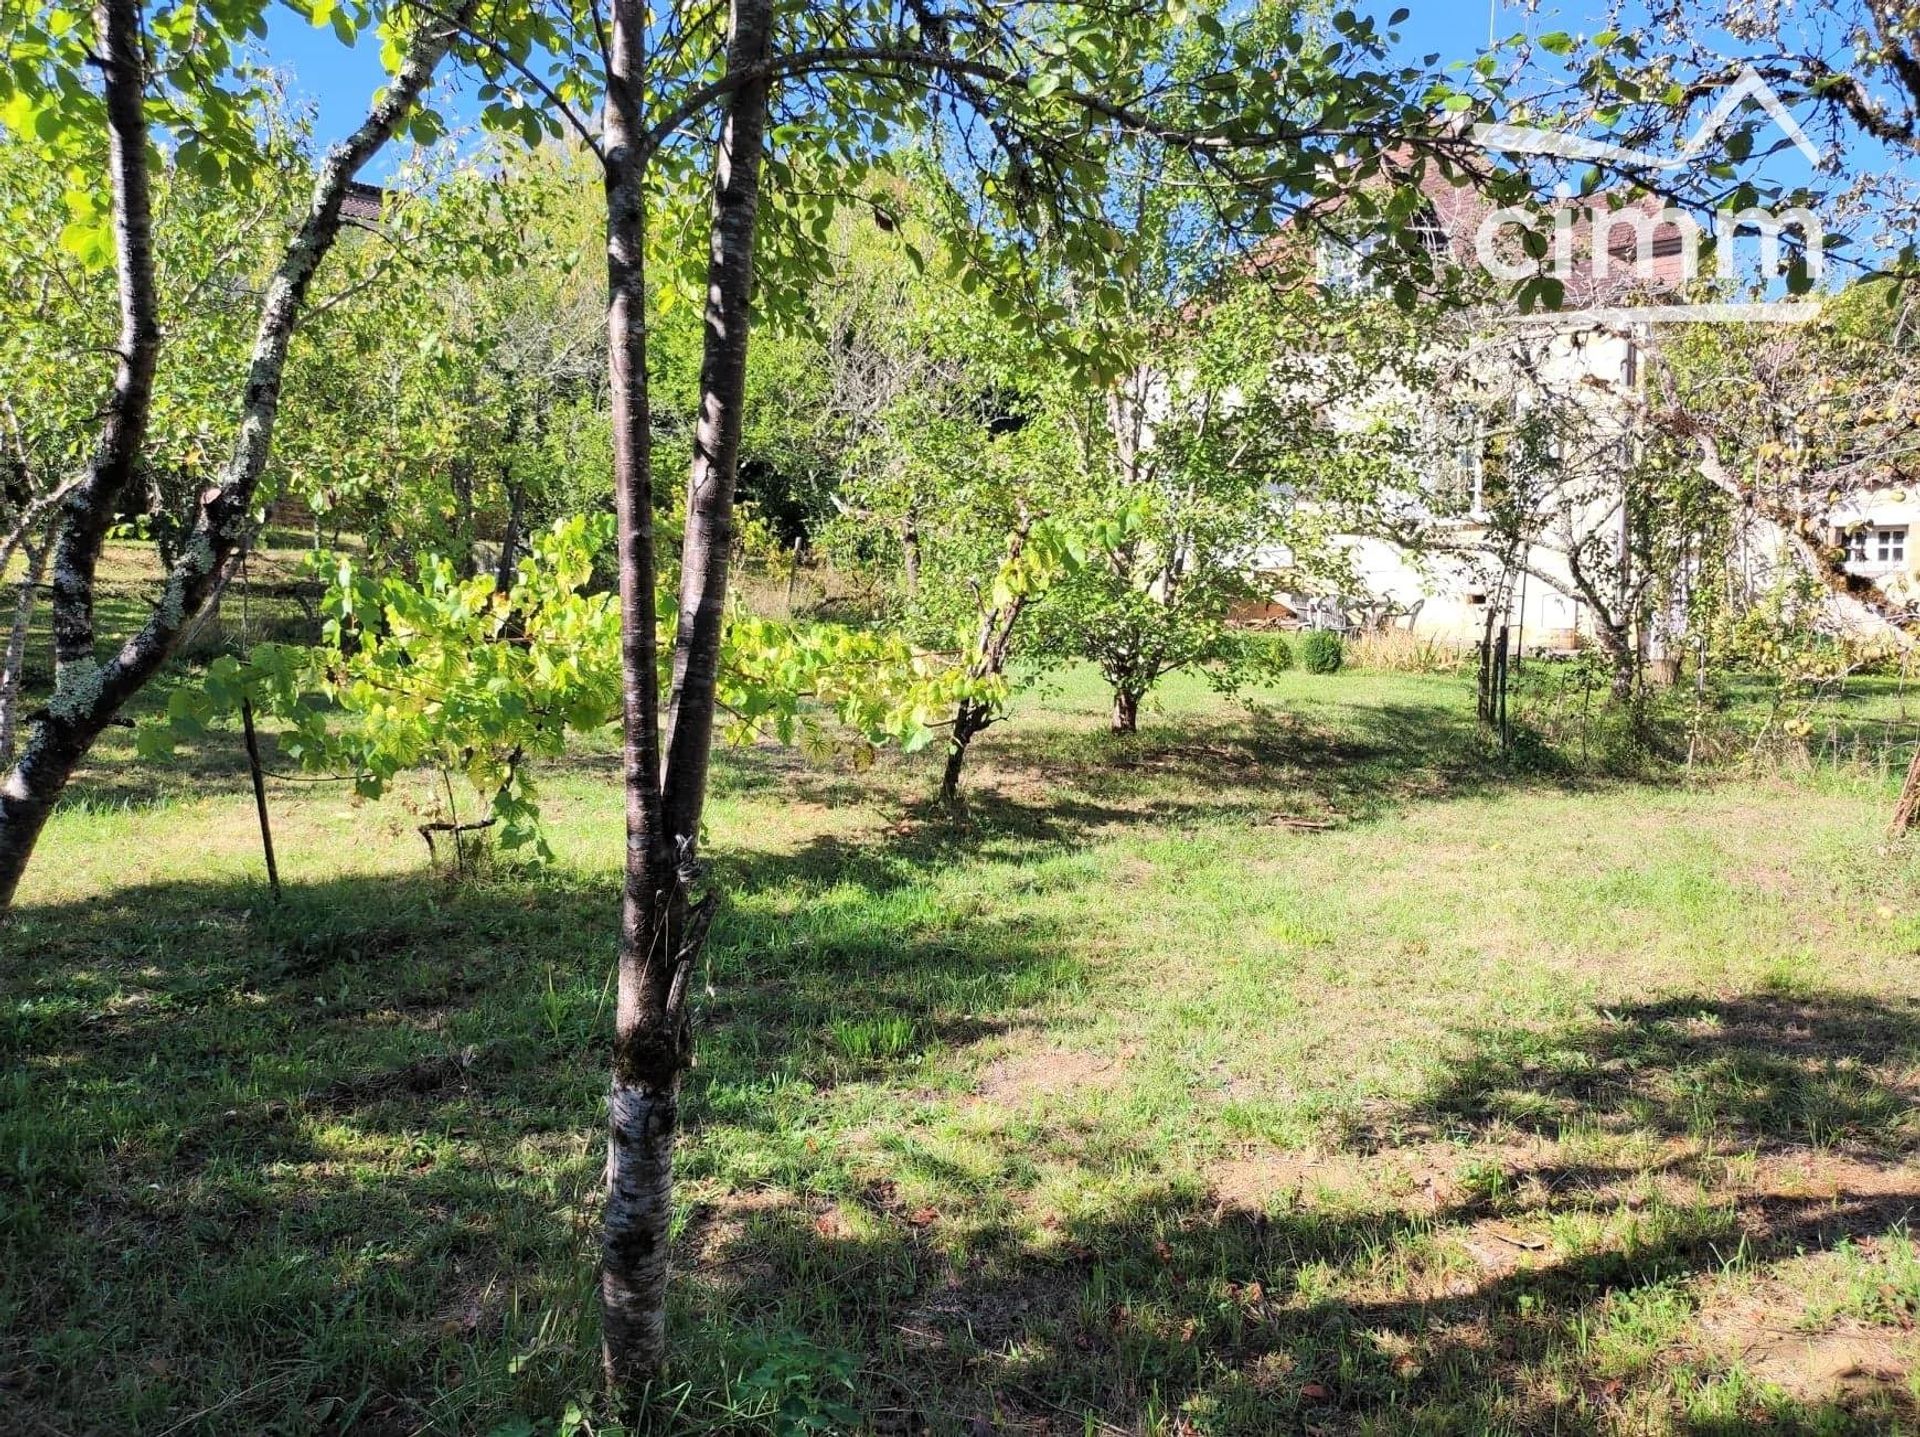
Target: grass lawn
[1290, 1067]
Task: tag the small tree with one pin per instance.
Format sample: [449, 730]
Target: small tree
[1232, 443]
[459, 674]
[958, 495]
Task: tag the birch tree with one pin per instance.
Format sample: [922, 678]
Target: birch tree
[1037, 103]
[175, 74]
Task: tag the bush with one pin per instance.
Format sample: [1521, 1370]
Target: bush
[1321, 652]
[1261, 656]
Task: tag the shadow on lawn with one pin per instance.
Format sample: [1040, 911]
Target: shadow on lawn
[331, 1166]
[1349, 1314]
[1027, 776]
[1760, 1072]
[1032, 790]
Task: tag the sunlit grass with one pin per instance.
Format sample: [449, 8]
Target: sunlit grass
[1294, 1064]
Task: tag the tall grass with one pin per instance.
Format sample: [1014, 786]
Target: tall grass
[1400, 651]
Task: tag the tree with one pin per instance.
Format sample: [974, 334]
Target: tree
[1852, 81]
[959, 495]
[1046, 96]
[1550, 478]
[56, 305]
[462, 674]
[1796, 429]
[169, 74]
[1232, 442]
[451, 391]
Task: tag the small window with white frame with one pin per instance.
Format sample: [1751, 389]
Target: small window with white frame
[1343, 262]
[1876, 545]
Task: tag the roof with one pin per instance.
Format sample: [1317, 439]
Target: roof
[362, 201]
[1645, 250]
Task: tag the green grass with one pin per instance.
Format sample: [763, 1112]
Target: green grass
[1294, 1065]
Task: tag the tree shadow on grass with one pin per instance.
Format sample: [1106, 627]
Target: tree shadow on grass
[1029, 784]
[331, 1166]
[1762, 1072]
[1035, 792]
[1573, 1286]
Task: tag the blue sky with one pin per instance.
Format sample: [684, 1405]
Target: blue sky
[338, 80]
[321, 71]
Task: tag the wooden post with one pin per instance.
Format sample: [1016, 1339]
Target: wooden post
[1500, 691]
[260, 795]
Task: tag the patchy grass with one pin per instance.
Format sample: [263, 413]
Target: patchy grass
[1288, 1067]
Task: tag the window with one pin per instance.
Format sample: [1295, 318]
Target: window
[1342, 262]
[1870, 545]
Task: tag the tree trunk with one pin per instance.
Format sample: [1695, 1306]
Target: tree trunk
[460, 482]
[643, 1107]
[88, 509]
[30, 788]
[708, 544]
[1908, 809]
[1621, 655]
[503, 567]
[88, 694]
[910, 553]
[662, 928]
[991, 646]
[1126, 710]
[968, 720]
[12, 675]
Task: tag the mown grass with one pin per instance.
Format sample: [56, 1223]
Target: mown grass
[1293, 1066]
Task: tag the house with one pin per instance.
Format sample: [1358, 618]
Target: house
[1878, 531]
[1515, 510]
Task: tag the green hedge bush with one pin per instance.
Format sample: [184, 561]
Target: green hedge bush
[1321, 652]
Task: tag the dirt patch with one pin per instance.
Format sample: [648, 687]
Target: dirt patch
[1498, 1247]
[1850, 1360]
[1832, 1176]
[472, 1309]
[1048, 1073]
[1254, 1181]
[987, 1316]
[1424, 1176]
[715, 1242]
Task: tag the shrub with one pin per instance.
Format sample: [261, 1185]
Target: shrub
[1261, 656]
[1321, 652]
